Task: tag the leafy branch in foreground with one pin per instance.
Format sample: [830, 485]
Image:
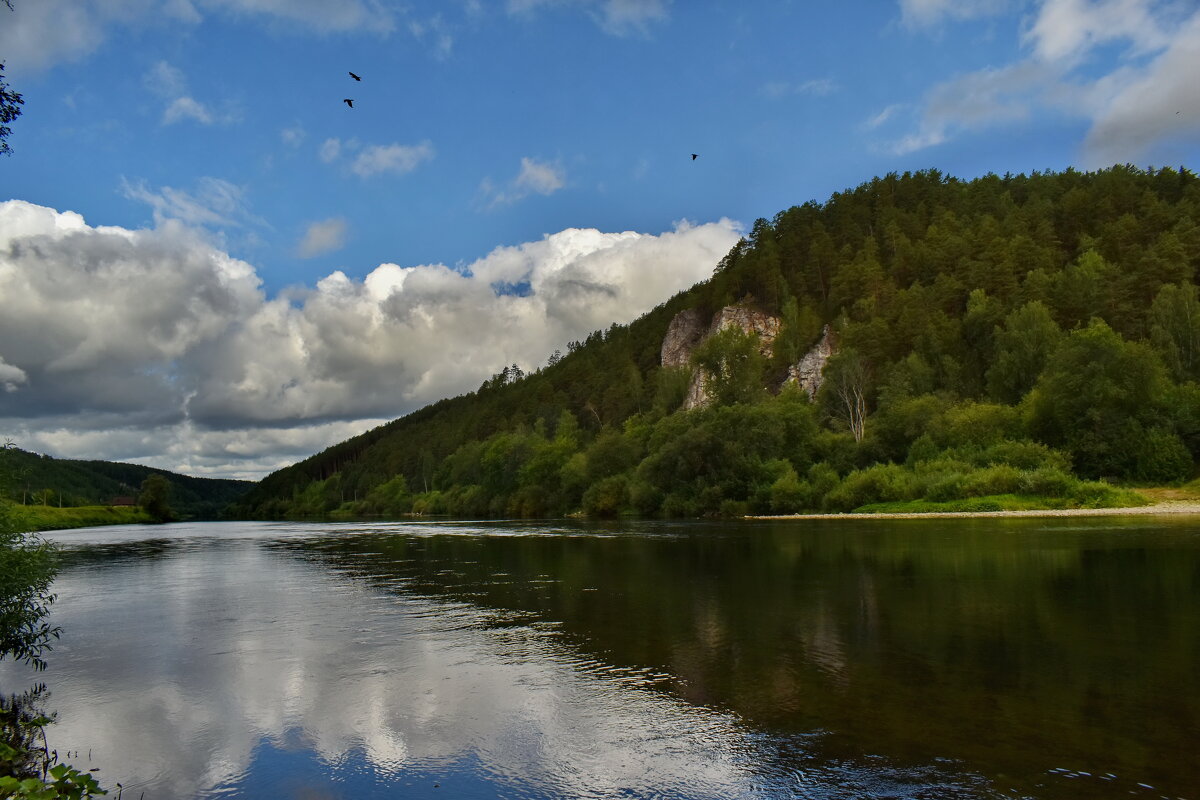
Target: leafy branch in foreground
[28, 565]
[10, 109]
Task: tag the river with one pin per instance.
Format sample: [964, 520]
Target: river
[1039, 658]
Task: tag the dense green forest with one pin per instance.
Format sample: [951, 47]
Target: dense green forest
[1026, 336]
[37, 480]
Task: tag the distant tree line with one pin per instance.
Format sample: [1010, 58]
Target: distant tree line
[42, 480]
[1023, 335]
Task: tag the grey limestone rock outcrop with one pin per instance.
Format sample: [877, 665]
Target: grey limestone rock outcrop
[807, 372]
[749, 320]
[687, 330]
[697, 395]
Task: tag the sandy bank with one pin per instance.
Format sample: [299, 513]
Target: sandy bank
[1175, 507]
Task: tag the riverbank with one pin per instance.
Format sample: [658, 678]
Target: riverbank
[51, 518]
[1159, 508]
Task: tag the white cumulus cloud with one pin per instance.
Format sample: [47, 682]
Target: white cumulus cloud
[394, 158]
[1126, 66]
[182, 108]
[534, 177]
[169, 83]
[330, 150]
[539, 177]
[1159, 102]
[11, 376]
[38, 34]
[215, 203]
[154, 345]
[1066, 30]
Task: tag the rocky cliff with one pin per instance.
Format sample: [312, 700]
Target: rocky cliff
[807, 371]
[687, 330]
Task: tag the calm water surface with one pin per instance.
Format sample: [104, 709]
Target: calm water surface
[844, 659]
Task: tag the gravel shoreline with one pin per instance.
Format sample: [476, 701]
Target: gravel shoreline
[1155, 509]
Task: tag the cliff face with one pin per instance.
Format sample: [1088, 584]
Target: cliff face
[687, 331]
[765, 325]
[807, 371]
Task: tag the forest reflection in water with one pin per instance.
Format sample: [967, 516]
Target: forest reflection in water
[836, 659]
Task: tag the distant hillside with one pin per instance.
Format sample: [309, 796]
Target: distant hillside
[1016, 336]
[42, 480]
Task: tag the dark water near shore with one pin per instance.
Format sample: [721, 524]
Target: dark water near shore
[1048, 658]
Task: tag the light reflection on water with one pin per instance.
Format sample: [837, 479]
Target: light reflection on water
[429, 660]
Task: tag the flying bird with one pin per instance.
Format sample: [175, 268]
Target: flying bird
[695, 156]
[352, 75]
[348, 102]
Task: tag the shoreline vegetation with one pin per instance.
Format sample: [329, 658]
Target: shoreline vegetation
[875, 511]
[1156, 509]
[1120, 502]
[1152, 501]
[50, 518]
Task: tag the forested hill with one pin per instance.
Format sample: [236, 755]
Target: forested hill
[1016, 336]
[41, 480]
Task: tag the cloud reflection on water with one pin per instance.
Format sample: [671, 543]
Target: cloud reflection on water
[175, 670]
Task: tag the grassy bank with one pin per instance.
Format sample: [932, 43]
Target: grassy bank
[50, 518]
[1188, 493]
[1117, 498]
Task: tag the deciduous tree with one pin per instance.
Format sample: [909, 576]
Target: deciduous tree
[10, 109]
[155, 498]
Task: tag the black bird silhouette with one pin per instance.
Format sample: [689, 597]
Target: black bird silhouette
[695, 156]
[348, 102]
[352, 75]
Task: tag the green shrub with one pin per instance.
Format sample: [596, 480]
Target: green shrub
[1162, 457]
[924, 448]
[822, 479]
[734, 508]
[1024, 454]
[529, 501]
[977, 425]
[789, 494]
[1095, 494]
[944, 487]
[878, 484]
[1048, 482]
[942, 463]
[838, 450]
[497, 505]
[429, 503]
[677, 505]
[1000, 479]
[467, 501]
[982, 505]
[709, 499]
[607, 497]
[645, 498]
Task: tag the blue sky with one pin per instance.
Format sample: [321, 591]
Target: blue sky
[247, 256]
